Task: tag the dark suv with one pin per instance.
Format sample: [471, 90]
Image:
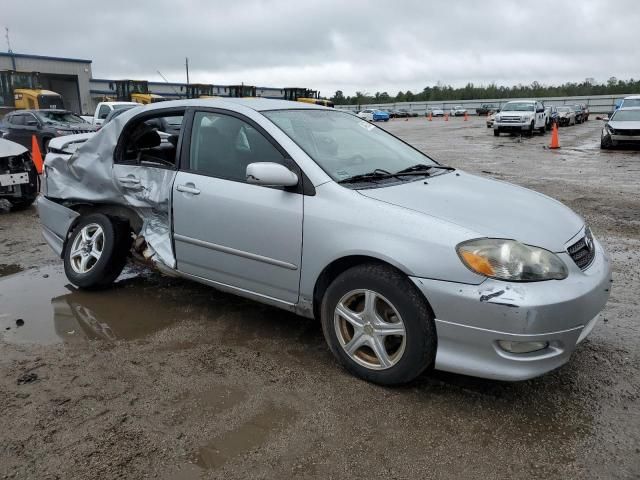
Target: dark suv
[487, 108]
[20, 126]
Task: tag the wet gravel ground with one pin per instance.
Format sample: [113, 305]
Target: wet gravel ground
[163, 378]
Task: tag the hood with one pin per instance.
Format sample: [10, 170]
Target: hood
[491, 208]
[10, 149]
[87, 127]
[625, 125]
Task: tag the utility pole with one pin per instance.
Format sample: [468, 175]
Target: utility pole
[186, 64]
[9, 51]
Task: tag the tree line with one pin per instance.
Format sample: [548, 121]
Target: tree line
[470, 91]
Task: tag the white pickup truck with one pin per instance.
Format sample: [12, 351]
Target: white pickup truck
[520, 116]
[104, 108]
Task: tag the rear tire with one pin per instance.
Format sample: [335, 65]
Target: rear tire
[359, 312]
[96, 251]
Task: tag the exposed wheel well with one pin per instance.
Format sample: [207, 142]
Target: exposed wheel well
[117, 213]
[335, 268]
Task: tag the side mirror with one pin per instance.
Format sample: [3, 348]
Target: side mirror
[270, 174]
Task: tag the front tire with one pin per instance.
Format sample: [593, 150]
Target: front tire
[496, 132]
[96, 251]
[378, 325]
[605, 142]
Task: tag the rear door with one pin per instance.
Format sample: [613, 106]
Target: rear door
[244, 236]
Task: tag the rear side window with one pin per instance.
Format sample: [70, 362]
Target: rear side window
[17, 119]
[222, 146]
[152, 141]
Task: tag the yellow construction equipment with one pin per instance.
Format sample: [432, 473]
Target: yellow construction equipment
[306, 95]
[22, 90]
[135, 91]
[200, 90]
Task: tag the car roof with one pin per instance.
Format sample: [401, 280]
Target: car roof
[255, 103]
[38, 110]
[632, 97]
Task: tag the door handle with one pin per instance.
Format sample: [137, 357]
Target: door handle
[188, 189]
[131, 180]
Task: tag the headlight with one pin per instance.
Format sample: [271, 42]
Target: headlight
[510, 260]
[609, 128]
[497, 117]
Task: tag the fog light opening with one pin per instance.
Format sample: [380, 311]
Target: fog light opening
[522, 347]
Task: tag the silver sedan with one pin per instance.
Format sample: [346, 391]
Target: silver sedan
[407, 263]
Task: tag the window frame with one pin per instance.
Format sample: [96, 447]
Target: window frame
[304, 185]
[108, 109]
[118, 152]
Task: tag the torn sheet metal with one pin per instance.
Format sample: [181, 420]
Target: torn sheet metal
[86, 173]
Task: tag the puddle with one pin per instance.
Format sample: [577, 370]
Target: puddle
[248, 436]
[9, 269]
[40, 306]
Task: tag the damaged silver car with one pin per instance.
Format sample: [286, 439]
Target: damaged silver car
[18, 175]
[406, 262]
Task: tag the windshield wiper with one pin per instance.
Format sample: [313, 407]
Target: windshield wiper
[421, 169]
[378, 173]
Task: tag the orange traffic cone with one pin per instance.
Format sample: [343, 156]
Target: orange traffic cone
[555, 143]
[36, 156]
[466, 117]
[430, 116]
[446, 117]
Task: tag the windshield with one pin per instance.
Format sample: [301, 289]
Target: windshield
[631, 102]
[518, 107]
[626, 116]
[564, 109]
[344, 145]
[63, 117]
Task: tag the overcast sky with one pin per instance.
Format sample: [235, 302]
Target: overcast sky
[337, 44]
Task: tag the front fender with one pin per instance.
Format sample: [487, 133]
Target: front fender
[339, 222]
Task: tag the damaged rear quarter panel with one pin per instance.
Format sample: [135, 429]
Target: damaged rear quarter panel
[89, 176]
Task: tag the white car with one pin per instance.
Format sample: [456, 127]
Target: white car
[458, 111]
[435, 112]
[372, 115]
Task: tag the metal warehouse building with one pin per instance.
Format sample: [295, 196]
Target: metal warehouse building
[72, 78]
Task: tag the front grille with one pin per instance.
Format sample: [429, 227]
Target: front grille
[583, 251]
[510, 120]
[625, 131]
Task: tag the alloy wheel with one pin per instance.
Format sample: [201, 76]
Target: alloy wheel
[87, 248]
[370, 329]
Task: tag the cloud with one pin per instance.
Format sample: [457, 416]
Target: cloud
[333, 44]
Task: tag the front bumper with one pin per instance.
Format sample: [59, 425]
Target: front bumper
[511, 126]
[625, 138]
[472, 319]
